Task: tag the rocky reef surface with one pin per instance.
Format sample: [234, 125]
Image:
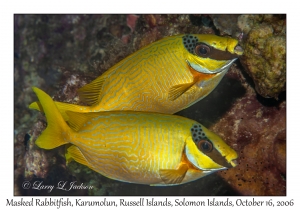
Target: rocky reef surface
[265, 52]
[61, 53]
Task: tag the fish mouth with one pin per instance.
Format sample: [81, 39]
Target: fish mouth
[234, 163]
[231, 164]
[206, 71]
[238, 50]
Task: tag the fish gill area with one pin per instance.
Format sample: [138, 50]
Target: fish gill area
[61, 53]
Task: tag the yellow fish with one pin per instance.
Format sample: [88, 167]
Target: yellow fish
[165, 76]
[136, 147]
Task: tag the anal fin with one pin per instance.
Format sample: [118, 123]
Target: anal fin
[173, 176]
[74, 153]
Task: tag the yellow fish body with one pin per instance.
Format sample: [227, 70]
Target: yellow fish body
[136, 147]
[165, 76]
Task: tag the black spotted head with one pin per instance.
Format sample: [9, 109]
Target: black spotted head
[197, 133]
[207, 151]
[210, 54]
[189, 42]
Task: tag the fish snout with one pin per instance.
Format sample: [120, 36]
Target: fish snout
[238, 50]
[234, 163]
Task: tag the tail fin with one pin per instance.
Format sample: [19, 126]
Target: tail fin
[57, 130]
[62, 107]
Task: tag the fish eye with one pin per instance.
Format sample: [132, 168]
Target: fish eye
[202, 50]
[205, 146]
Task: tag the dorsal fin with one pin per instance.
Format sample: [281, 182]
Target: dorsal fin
[64, 107]
[76, 119]
[91, 92]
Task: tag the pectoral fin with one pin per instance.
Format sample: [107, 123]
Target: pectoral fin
[177, 90]
[171, 176]
[91, 92]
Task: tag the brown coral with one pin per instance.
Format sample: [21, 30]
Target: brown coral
[257, 132]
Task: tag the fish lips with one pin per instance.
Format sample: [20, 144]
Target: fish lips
[227, 165]
[206, 71]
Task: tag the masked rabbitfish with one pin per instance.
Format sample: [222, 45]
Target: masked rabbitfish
[137, 147]
[165, 76]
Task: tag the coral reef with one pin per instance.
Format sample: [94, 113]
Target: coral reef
[257, 132]
[61, 53]
[264, 56]
[263, 38]
[226, 24]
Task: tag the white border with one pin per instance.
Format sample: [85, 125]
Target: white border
[150, 6]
